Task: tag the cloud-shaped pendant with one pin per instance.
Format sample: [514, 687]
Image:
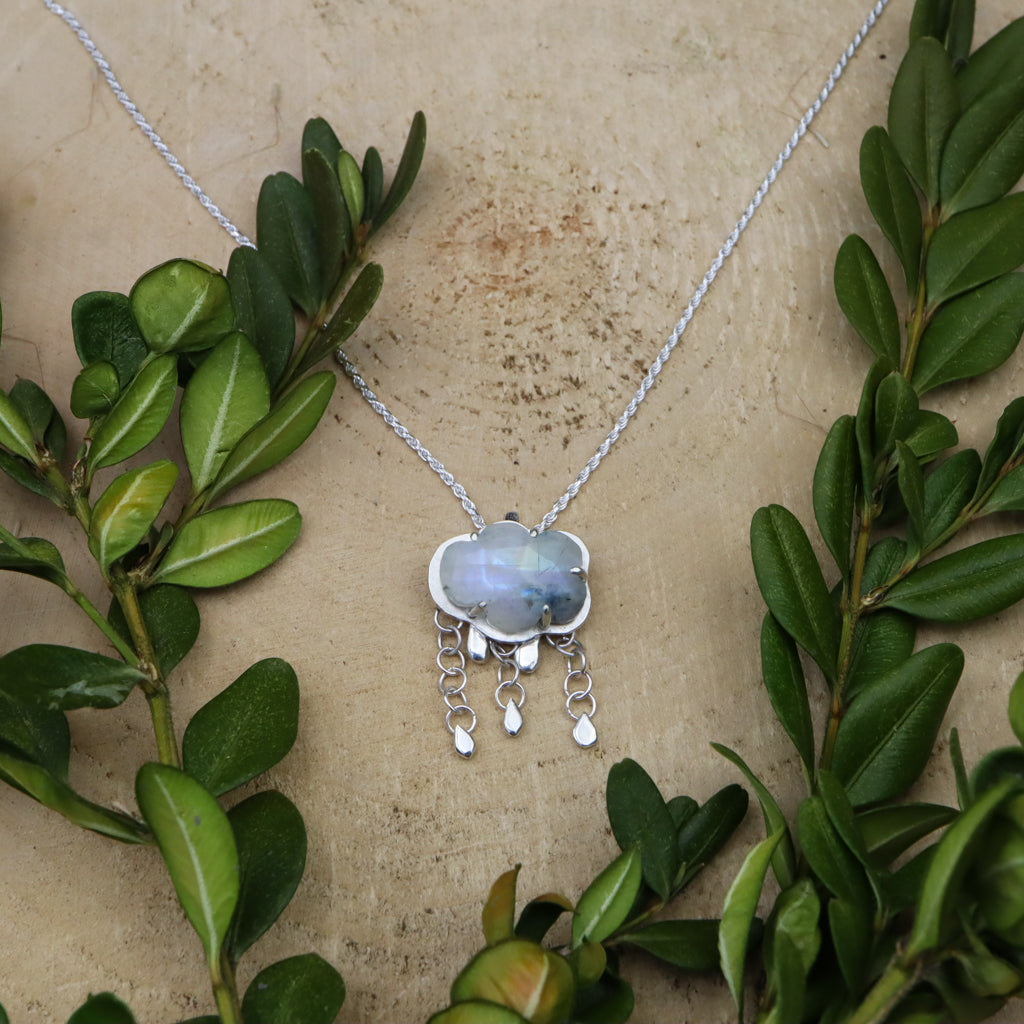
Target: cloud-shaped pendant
[511, 583]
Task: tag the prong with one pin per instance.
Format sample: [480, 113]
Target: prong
[578, 570]
[545, 617]
[475, 611]
[474, 535]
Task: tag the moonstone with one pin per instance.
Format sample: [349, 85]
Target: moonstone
[513, 575]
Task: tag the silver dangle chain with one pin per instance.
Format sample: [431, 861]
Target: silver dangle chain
[452, 682]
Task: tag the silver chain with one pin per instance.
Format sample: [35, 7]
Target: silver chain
[655, 368]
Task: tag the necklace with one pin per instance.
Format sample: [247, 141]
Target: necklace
[508, 585]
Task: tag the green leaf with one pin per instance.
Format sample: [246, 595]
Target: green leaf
[477, 1011]
[65, 678]
[947, 490]
[408, 168]
[198, 847]
[886, 736]
[787, 690]
[865, 298]
[540, 914]
[128, 508]
[1007, 443]
[606, 903]
[835, 484]
[286, 230]
[303, 989]
[997, 61]
[499, 911]
[354, 307]
[960, 31]
[984, 157]
[172, 621]
[34, 557]
[351, 179]
[932, 433]
[689, 945]
[784, 859]
[973, 582]
[864, 425]
[997, 879]
[278, 434]
[1008, 493]
[106, 331]
[246, 729]
[318, 134]
[975, 247]
[828, 856]
[896, 413]
[705, 832]
[891, 198]
[333, 225]
[227, 396]
[138, 416]
[182, 306]
[45, 423]
[922, 108]
[682, 808]
[95, 390]
[1015, 708]
[792, 585]
[850, 927]
[610, 1001]
[39, 733]
[948, 866]
[262, 309]
[230, 543]
[640, 817]
[373, 183]
[795, 915]
[54, 793]
[910, 480]
[956, 757]
[930, 18]
[270, 837]
[881, 641]
[891, 829]
[102, 1008]
[738, 915]
[15, 433]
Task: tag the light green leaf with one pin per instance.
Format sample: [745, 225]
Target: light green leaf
[606, 903]
[246, 729]
[227, 395]
[197, 844]
[499, 913]
[835, 484]
[303, 989]
[688, 945]
[128, 508]
[738, 914]
[276, 436]
[138, 416]
[230, 543]
[477, 1011]
[351, 179]
[286, 230]
[95, 390]
[1015, 709]
[182, 306]
[886, 737]
[865, 298]
[15, 433]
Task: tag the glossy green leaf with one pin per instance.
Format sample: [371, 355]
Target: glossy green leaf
[956, 757]
[15, 433]
[24, 474]
[865, 298]
[997, 61]
[910, 480]
[689, 945]
[270, 838]
[41, 734]
[984, 157]
[1015, 708]
[896, 413]
[286, 230]
[53, 792]
[1007, 443]
[606, 903]
[891, 198]
[923, 106]
[1008, 493]
[303, 989]
[198, 847]
[408, 168]
[795, 915]
[828, 856]
[792, 585]
[230, 543]
[44, 422]
[477, 1011]
[610, 1001]
[881, 641]
[947, 490]
[890, 830]
[784, 680]
[172, 621]
[835, 483]
[588, 963]
[227, 396]
[682, 808]
[246, 729]
[640, 817]
[932, 434]
[277, 435]
[34, 556]
[523, 976]
[738, 915]
[65, 678]
[540, 914]
[182, 306]
[973, 582]
[128, 508]
[105, 331]
[262, 309]
[138, 416]
[784, 859]
[95, 390]
[499, 911]
[930, 18]
[850, 926]
[354, 307]
[948, 867]
[102, 1008]
[886, 737]
[318, 134]
[332, 220]
[975, 247]
[960, 31]
[997, 879]
[351, 178]
[373, 183]
[706, 831]
[864, 423]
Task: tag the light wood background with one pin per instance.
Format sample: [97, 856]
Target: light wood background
[585, 161]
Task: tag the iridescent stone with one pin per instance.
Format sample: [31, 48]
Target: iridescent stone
[507, 577]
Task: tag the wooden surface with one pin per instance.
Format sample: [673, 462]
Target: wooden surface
[584, 163]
